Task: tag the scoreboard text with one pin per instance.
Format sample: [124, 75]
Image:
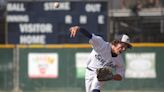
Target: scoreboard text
[42, 23]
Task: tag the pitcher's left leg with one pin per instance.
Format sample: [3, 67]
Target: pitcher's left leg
[96, 85]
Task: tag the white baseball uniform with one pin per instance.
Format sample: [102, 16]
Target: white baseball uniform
[101, 57]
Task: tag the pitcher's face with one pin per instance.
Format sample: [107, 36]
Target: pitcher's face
[119, 48]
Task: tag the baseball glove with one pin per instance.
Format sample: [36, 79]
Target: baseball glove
[104, 74]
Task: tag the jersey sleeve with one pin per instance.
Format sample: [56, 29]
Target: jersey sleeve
[120, 67]
[97, 43]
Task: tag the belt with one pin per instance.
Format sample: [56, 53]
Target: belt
[90, 69]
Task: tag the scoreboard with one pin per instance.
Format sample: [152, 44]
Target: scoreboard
[39, 22]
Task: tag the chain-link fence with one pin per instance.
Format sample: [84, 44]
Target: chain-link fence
[60, 68]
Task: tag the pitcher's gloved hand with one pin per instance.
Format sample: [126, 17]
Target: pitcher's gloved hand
[104, 74]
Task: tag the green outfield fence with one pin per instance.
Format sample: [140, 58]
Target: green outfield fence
[67, 75]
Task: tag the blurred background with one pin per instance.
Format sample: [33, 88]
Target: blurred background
[38, 55]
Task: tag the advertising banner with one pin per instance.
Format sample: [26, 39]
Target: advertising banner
[140, 65]
[81, 61]
[43, 65]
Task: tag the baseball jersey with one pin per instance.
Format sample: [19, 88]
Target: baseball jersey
[101, 56]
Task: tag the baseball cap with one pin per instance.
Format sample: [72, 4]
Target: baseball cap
[125, 39]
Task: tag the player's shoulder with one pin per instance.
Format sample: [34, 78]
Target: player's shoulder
[119, 57]
[94, 36]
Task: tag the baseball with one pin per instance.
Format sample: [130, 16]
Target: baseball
[56, 4]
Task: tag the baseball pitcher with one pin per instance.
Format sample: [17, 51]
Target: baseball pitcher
[105, 62]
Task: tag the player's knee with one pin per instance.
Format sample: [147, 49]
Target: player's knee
[95, 90]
